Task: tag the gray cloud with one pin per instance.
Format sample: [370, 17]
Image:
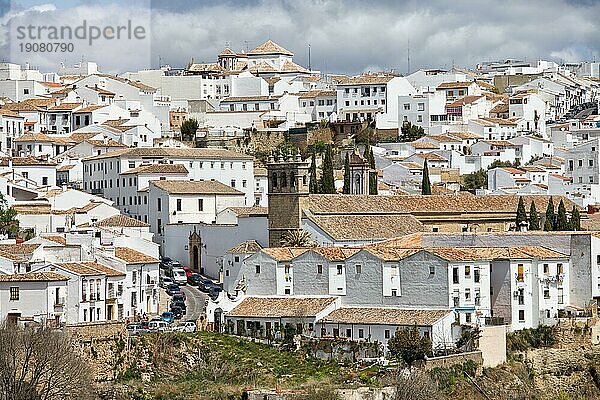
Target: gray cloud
[351, 36]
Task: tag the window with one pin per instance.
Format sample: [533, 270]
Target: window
[286, 269]
[178, 204]
[591, 163]
[598, 259]
[14, 293]
[319, 269]
[467, 271]
[560, 296]
[348, 332]
[520, 273]
[468, 318]
[339, 269]
[386, 333]
[233, 183]
[559, 269]
[361, 333]
[358, 268]
[546, 268]
[455, 275]
[546, 293]
[521, 296]
[244, 183]
[394, 292]
[257, 269]
[44, 181]
[159, 225]
[467, 294]
[287, 291]
[226, 272]
[421, 107]
[521, 315]
[476, 275]
[407, 106]
[431, 270]
[158, 204]
[200, 205]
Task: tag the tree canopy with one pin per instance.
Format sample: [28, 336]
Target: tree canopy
[9, 224]
[549, 222]
[313, 184]
[521, 214]
[410, 132]
[407, 345]
[346, 189]
[534, 219]
[425, 184]
[327, 180]
[188, 129]
[562, 223]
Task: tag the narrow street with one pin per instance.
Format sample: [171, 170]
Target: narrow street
[195, 300]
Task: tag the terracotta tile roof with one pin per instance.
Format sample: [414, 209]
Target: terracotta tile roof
[315, 93]
[411, 165]
[386, 316]
[263, 67]
[431, 156]
[41, 138]
[335, 253]
[64, 168]
[501, 108]
[227, 52]
[195, 187]
[32, 209]
[367, 79]
[367, 227]
[513, 171]
[444, 138]
[454, 85]
[532, 168]
[418, 204]
[80, 268]
[269, 47]
[485, 85]
[206, 67]
[255, 211]
[414, 241]
[106, 270]
[133, 256]
[101, 90]
[34, 277]
[250, 98]
[499, 143]
[561, 177]
[500, 121]
[391, 254]
[121, 221]
[284, 253]
[424, 145]
[290, 66]
[465, 135]
[80, 137]
[275, 307]
[102, 143]
[158, 169]
[495, 253]
[56, 239]
[171, 152]
[8, 113]
[259, 171]
[247, 247]
[17, 252]
[464, 100]
[90, 108]
[65, 107]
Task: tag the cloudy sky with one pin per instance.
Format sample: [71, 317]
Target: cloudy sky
[347, 36]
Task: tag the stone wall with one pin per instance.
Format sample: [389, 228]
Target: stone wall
[453, 359]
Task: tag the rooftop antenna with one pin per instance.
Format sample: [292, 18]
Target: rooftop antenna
[408, 55]
[309, 68]
[246, 45]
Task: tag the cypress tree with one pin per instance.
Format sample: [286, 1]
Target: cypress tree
[575, 219]
[346, 189]
[534, 219]
[562, 223]
[313, 185]
[327, 180]
[425, 184]
[372, 173]
[521, 214]
[549, 222]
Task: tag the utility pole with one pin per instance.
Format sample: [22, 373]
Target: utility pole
[309, 68]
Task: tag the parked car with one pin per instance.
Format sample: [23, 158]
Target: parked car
[179, 276]
[194, 279]
[188, 271]
[173, 289]
[165, 281]
[177, 312]
[179, 304]
[187, 326]
[205, 285]
[160, 326]
[132, 327]
[167, 317]
[178, 297]
[214, 291]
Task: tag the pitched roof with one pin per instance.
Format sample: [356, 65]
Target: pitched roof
[158, 169]
[18, 251]
[454, 85]
[386, 316]
[121, 221]
[80, 268]
[494, 253]
[107, 143]
[195, 187]
[89, 108]
[418, 204]
[284, 253]
[270, 47]
[250, 98]
[367, 79]
[171, 152]
[363, 227]
[465, 135]
[464, 100]
[133, 256]
[65, 107]
[254, 211]
[247, 247]
[274, 307]
[34, 277]
[56, 239]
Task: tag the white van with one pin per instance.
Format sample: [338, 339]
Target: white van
[160, 326]
[179, 276]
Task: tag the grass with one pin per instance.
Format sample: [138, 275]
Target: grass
[222, 367]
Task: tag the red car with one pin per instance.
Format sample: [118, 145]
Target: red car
[188, 271]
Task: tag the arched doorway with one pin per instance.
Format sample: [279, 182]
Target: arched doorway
[194, 246]
[195, 258]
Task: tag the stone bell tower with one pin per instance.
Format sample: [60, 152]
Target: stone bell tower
[359, 174]
[288, 191]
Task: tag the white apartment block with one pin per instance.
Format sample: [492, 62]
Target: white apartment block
[123, 176]
[583, 169]
[11, 127]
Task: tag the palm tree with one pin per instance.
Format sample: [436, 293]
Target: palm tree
[297, 238]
